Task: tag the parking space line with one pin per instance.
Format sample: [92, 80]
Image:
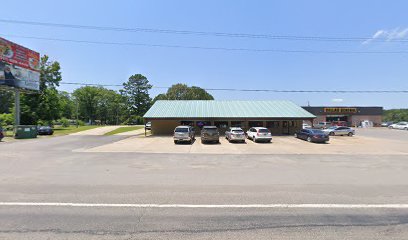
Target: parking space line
[127, 205]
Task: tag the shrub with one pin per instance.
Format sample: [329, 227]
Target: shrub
[81, 123]
[64, 122]
[6, 119]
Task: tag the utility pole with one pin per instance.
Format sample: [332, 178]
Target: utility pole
[16, 107]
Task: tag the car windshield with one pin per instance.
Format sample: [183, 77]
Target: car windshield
[315, 131]
[181, 130]
[237, 131]
[208, 129]
[263, 130]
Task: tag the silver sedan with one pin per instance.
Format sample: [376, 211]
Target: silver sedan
[235, 134]
[338, 130]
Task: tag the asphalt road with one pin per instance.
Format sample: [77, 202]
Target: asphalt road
[48, 170]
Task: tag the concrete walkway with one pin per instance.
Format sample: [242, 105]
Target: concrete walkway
[97, 131]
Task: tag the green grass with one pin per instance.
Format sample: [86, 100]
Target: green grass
[123, 129]
[59, 130]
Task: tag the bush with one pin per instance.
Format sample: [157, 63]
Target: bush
[6, 119]
[81, 123]
[64, 122]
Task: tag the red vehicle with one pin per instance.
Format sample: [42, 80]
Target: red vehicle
[339, 123]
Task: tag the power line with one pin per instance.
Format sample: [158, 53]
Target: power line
[207, 48]
[253, 90]
[203, 33]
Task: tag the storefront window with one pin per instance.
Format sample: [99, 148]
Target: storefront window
[187, 123]
[201, 124]
[221, 124]
[255, 124]
[272, 124]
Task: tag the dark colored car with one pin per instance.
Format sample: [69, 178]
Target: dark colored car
[45, 130]
[312, 135]
[1, 133]
[210, 134]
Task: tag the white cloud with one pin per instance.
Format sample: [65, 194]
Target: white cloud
[337, 100]
[389, 35]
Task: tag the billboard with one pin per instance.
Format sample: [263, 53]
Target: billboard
[19, 66]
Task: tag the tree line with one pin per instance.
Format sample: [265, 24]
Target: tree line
[88, 104]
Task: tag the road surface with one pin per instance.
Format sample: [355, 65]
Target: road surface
[286, 196]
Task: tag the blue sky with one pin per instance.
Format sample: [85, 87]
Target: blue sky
[110, 64]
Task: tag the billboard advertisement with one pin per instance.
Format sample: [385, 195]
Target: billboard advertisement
[19, 66]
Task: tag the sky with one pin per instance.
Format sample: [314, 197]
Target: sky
[369, 20]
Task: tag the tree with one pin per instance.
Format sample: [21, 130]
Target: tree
[67, 105]
[6, 101]
[87, 99]
[136, 94]
[183, 92]
[43, 105]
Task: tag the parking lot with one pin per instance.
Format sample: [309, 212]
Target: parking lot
[366, 141]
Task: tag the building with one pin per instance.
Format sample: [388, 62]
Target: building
[352, 115]
[281, 117]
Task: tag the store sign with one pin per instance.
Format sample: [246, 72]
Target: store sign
[340, 110]
[19, 66]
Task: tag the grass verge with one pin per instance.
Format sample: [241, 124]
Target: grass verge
[123, 129]
[58, 130]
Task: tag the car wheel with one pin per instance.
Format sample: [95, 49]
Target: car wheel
[309, 139]
[218, 141]
[175, 141]
[350, 134]
[254, 139]
[296, 136]
[331, 133]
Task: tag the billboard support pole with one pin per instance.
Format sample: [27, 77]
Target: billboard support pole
[17, 107]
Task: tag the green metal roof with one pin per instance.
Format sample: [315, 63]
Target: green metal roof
[225, 109]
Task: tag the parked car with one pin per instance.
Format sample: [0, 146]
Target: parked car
[148, 126]
[1, 133]
[332, 131]
[305, 125]
[235, 134]
[184, 133]
[210, 134]
[258, 134]
[386, 124]
[45, 130]
[323, 125]
[400, 125]
[312, 135]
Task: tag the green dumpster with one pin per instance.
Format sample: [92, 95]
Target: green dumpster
[25, 131]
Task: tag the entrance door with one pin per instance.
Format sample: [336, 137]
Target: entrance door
[285, 127]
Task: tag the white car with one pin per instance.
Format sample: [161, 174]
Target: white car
[258, 134]
[400, 125]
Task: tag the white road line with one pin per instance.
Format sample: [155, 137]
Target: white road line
[126, 205]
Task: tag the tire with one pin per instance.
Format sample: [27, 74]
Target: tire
[296, 136]
[350, 134]
[309, 139]
[175, 141]
[218, 141]
[254, 139]
[331, 133]
[202, 141]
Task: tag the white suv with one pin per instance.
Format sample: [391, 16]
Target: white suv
[258, 134]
